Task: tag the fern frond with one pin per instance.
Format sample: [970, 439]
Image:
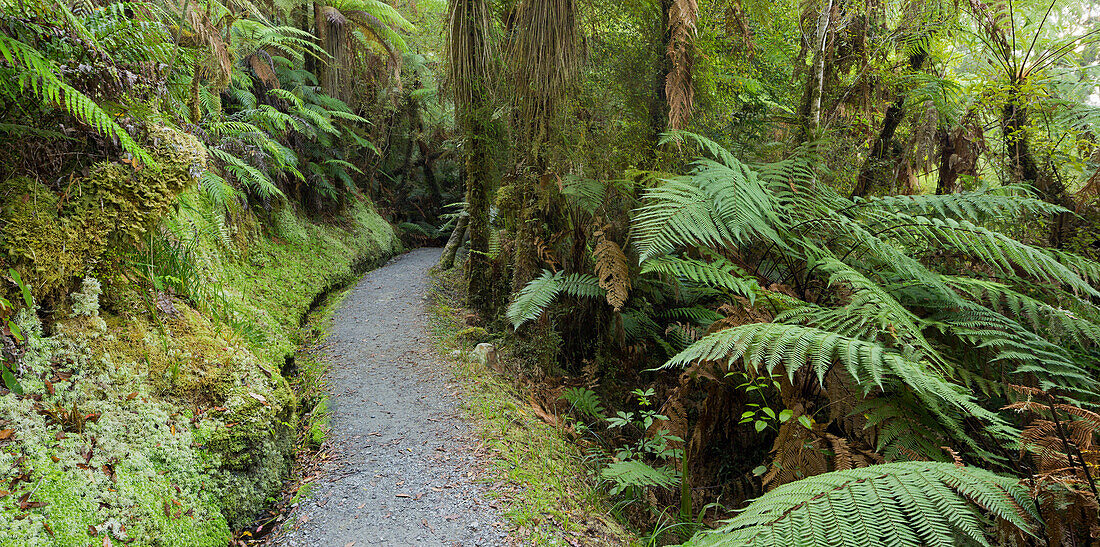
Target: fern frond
[38, 74]
[636, 473]
[996, 250]
[612, 271]
[869, 364]
[889, 505]
[718, 206]
[1001, 203]
[538, 294]
[719, 273]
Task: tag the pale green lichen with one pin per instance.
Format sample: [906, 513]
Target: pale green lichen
[191, 411]
[86, 301]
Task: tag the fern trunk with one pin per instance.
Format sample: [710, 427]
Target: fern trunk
[1015, 121]
[478, 180]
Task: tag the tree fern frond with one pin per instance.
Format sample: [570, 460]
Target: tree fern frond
[994, 249]
[538, 294]
[894, 504]
[999, 203]
[869, 364]
[38, 74]
[718, 273]
[718, 205]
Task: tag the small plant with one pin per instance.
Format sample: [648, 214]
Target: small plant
[11, 335]
[629, 471]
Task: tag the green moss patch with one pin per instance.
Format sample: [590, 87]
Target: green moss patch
[174, 425]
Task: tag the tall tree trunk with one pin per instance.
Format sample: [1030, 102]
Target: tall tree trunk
[479, 175]
[821, 38]
[469, 56]
[874, 170]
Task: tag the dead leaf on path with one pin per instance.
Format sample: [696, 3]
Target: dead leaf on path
[403, 496]
[349, 544]
[6, 434]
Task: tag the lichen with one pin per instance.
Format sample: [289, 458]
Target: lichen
[192, 417]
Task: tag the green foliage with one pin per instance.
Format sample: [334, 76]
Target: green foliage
[584, 401]
[908, 503]
[39, 75]
[894, 319]
[534, 298]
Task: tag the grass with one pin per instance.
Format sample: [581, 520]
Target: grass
[548, 494]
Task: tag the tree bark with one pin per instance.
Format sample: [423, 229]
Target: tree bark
[874, 170]
[821, 36]
[447, 261]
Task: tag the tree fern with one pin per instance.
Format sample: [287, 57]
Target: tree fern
[896, 504]
[771, 345]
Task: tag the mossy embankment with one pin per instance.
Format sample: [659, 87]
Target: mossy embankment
[155, 409]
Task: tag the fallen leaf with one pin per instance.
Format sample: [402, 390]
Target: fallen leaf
[258, 397]
[6, 434]
[404, 496]
[349, 544]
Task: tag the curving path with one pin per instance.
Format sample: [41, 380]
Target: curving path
[405, 474]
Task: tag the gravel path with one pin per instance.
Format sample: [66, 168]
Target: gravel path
[405, 473]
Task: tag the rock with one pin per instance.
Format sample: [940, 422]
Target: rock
[486, 354]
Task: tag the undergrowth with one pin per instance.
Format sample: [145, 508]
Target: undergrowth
[549, 495]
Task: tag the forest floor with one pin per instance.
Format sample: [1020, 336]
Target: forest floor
[406, 470]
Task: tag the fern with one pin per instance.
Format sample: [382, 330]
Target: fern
[636, 473]
[38, 74]
[896, 504]
[537, 295]
[585, 401]
[770, 345]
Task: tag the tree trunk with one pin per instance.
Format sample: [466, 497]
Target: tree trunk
[874, 169]
[447, 261]
[821, 35]
[478, 178]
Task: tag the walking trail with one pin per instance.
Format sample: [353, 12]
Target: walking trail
[405, 470]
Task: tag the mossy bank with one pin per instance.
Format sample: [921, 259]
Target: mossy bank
[155, 411]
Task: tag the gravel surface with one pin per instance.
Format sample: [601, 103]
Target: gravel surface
[406, 466]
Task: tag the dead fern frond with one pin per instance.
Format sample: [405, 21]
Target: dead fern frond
[683, 15]
[612, 269]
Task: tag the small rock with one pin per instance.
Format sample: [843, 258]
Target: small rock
[486, 354]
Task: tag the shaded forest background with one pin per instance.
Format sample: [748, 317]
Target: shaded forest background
[837, 257]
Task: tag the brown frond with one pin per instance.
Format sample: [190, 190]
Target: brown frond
[612, 270]
[797, 453]
[469, 54]
[683, 15]
[207, 34]
[261, 67]
[546, 57]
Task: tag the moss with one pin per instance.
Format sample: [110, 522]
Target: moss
[191, 409]
[54, 240]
